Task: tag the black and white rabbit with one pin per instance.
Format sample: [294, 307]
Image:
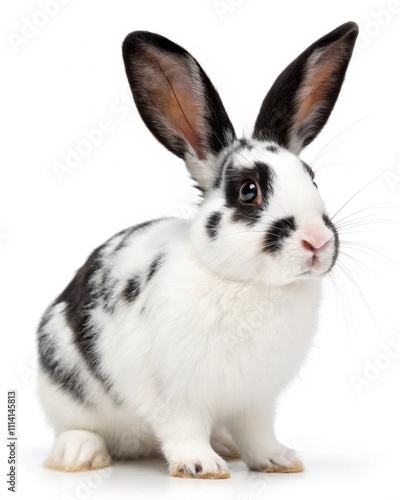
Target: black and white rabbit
[179, 335]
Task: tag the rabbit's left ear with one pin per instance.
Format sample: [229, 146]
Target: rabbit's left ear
[304, 94]
[177, 101]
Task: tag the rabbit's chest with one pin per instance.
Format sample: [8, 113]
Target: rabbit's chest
[245, 345]
[229, 343]
[259, 342]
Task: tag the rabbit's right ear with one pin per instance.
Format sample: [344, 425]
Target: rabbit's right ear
[304, 94]
[177, 101]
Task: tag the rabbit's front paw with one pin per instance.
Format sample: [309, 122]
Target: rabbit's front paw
[78, 450]
[199, 466]
[279, 460]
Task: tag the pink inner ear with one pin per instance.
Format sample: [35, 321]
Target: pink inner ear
[321, 69]
[179, 98]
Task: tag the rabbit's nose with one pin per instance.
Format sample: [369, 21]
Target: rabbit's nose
[317, 242]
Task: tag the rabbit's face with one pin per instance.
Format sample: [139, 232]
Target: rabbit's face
[265, 220]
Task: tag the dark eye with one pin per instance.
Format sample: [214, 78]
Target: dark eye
[249, 192]
[315, 184]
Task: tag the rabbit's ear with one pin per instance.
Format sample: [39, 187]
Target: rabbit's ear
[304, 94]
[176, 99]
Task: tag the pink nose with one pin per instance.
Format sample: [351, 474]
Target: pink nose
[316, 244]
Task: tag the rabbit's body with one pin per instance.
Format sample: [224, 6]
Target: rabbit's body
[240, 339]
[178, 336]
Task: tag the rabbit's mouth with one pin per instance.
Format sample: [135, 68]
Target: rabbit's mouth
[318, 265]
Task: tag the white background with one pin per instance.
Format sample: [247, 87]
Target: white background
[66, 77]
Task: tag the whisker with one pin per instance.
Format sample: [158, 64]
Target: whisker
[325, 165]
[345, 307]
[361, 294]
[374, 251]
[338, 135]
[355, 194]
[322, 153]
[372, 222]
[370, 207]
[359, 215]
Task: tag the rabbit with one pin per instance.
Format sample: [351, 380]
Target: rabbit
[177, 336]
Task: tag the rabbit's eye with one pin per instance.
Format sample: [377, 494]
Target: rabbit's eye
[250, 193]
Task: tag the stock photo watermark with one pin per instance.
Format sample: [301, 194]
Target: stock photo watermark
[33, 24]
[378, 21]
[374, 367]
[28, 372]
[86, 488]
[92, 138]
[12, 440]
[145, 432]
[225, 7]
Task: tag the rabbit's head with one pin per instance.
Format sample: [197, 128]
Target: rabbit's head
[262, 217]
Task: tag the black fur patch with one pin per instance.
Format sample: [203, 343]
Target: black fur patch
[226, 164]
[279, 230]
[331, 226]
[106, 291]
[235, 177]
[245, 143]
[212, 225]
[155, 266]
[49, 360]
[81, 297]
[273, 148]
[132, 289]
[227, 161]
[308, 169]
[199, 188]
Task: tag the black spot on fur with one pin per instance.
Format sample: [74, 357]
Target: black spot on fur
[132, 289]
[308, 169]
[279, 230]
[199, 188]
[45, 319]
[332, 227]
[235, 177]
[81, 297]
[106, 291]
[50, 362]
[212, 225]
[224, 166]
[155, 266]
[80, 294]
[273, 148]
[227, 161]
[245, 143]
